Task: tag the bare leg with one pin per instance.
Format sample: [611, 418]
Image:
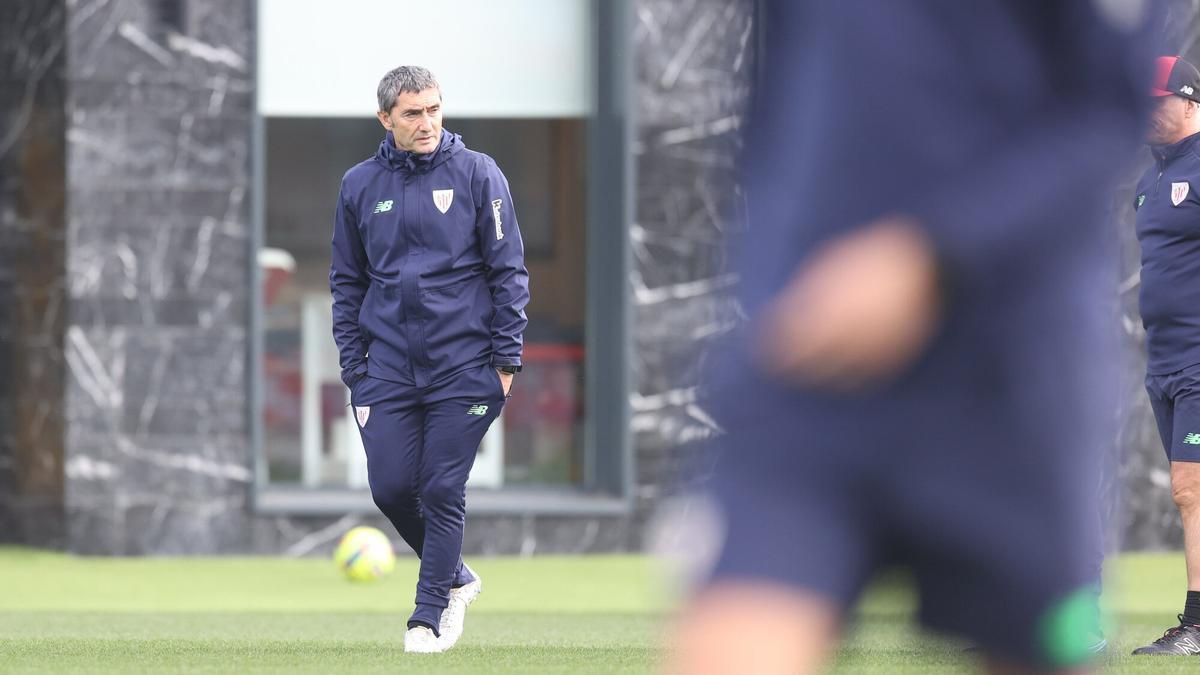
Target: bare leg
[1185, 489]
[747, 627]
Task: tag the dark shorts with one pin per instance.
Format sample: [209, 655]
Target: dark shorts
[1175, 399]
[994, 518]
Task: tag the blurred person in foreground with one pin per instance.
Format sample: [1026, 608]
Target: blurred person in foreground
[1167, 210]
[927, 372]
[429, 292]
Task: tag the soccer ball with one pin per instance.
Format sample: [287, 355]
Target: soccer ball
[364, 554]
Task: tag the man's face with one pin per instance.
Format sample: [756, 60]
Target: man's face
[415, 121]
[1171, 121]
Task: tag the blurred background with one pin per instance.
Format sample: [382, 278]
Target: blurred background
[168, 169]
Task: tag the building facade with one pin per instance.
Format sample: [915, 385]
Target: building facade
[167, 174]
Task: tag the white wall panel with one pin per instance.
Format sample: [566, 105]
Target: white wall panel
[493, 58]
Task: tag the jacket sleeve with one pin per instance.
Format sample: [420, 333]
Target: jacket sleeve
[348, 282]
[504, 262]
[985, 221]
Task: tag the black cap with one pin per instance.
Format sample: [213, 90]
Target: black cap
[1173, 75]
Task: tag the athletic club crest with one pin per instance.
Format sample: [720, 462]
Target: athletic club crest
[1179, 192]
[442, 199]
[362, 412]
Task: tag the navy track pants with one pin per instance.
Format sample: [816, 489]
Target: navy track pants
[420, 445]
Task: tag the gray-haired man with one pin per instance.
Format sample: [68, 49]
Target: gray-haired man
[429, 292]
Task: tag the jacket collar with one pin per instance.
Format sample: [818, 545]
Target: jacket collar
[1167, 153]
[410, 162]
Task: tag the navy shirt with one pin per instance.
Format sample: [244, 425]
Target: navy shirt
[428, 273]
[997, 126]
[1168, 229]
[996, 123]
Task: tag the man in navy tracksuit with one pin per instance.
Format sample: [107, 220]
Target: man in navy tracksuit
[429, 291]
[927, 370]
[1167, 209]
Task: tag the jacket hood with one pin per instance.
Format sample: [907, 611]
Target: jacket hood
[396, 159]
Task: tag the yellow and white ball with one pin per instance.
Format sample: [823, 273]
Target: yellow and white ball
[364, 554]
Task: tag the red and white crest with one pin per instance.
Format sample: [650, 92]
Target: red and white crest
[442, 199]
[362, 412]
[1179, 192]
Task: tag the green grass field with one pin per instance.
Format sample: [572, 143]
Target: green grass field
[599, 614]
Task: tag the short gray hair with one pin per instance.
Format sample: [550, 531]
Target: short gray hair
[411, 79]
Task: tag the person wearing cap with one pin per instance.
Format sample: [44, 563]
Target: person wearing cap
[1167, 212]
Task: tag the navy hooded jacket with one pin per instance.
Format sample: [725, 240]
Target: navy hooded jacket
[428, 274]
[1168, 229]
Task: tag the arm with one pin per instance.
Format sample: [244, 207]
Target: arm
[348, 282]
[504, 261]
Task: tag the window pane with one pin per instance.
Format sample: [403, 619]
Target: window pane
[309, 436]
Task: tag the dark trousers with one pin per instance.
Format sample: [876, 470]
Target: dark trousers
[421, 444]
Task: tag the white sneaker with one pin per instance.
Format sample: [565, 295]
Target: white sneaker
[421, 640]
[454, 617]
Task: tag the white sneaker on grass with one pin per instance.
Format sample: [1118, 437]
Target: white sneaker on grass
[455, 615]
[421, 640]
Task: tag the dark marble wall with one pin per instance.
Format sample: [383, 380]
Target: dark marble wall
[32, 231]
[159, 129]
[125, 236]
[692, 82]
